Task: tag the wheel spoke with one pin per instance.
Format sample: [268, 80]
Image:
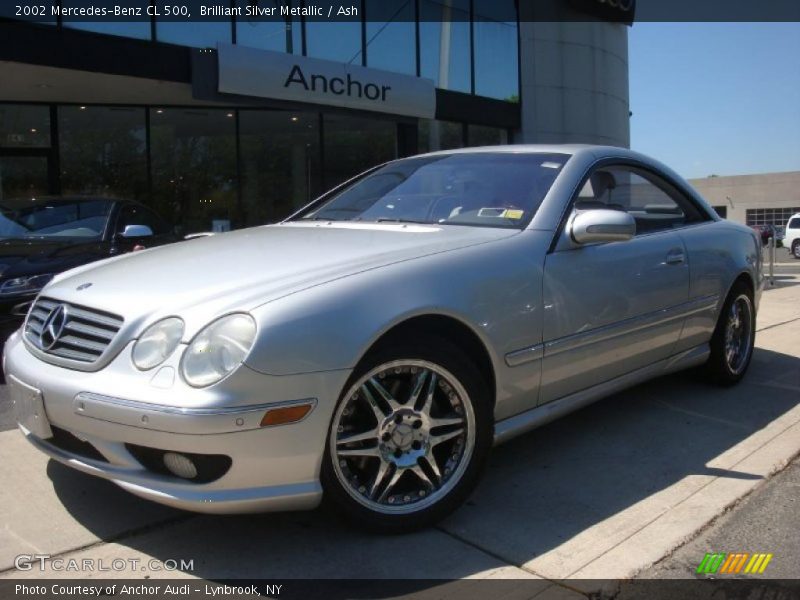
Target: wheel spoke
[424, 423]
[430, 460]
[392, 481]
[419, 382]
[380, 415]
[359, 452]
[426, 407]
[440, 439]
[423, 476]
[383, 393]
[447, 421]
[383, 469]
[358, 437]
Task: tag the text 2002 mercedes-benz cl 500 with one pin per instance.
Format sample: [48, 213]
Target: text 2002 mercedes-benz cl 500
[373, 346]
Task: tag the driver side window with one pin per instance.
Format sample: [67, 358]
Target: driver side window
[640, 194]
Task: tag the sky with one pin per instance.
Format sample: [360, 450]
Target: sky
[716, 98]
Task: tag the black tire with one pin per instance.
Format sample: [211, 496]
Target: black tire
[796, 248]
[718, 369]
[444, 354]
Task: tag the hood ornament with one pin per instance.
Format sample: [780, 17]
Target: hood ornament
[83, 286]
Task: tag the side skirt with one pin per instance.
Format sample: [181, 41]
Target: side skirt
[536, 417]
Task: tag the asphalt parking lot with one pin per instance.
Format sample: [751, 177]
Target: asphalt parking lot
[627, 483]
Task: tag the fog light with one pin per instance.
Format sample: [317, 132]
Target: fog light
[180, 465]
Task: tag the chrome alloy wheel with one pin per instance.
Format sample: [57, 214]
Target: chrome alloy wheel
[738, 334]
[403, 436]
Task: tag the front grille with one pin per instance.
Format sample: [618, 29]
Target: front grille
[82, 334]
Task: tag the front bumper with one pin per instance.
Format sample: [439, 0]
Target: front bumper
[272, 468]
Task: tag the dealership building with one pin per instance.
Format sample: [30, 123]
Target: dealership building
[762, 199]
[239, 121]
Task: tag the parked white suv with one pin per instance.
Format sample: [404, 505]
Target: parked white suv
[791, 238]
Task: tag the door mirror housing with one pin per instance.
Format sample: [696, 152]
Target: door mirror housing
[136, 231]
[602, 225]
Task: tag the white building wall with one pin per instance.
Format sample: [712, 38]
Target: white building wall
[574, 83]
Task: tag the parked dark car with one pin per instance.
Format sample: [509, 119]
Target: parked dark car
[767, 231]
[44, 236]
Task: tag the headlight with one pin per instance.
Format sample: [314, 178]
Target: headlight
[23, 285]
[157, 342]
[218, 349]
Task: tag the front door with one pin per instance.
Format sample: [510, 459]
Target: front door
[612, 308]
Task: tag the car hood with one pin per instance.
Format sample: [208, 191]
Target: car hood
[19, 257]
[202, 278]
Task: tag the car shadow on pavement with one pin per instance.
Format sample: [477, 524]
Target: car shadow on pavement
[539, 492]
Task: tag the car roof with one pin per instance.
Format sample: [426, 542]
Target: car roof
[571, 149]
[70, 199]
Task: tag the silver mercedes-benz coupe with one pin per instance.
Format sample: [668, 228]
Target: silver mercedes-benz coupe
[375, 345]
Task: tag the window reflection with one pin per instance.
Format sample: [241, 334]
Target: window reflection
[138, 27]
[354, 144]
[24, 126]
[444, 43]
[391, 37]
[439, 135]
[103, 151]
[193, 153]
[496, 56]
[281, 35]
[481, 135]
[198, 33]
[338, 41]
[279, 154]
[23, 177]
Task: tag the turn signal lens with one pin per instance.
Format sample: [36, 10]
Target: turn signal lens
[288, 414]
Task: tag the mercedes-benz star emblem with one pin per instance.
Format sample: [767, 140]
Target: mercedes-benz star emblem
[53, 327]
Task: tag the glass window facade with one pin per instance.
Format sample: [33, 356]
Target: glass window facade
[198, 33]
[280, 36]
[496, 50]
[103, 151]
[353, 144]
[481, 135]
[24, 126]
[205, 168]
[279, 162]
[445, 44]
[439, 135]
[23, 177]
[193, 162]
[391, 35]
[139, 29]
[340, 42]
[468, 46]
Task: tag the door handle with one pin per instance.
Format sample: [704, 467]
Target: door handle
[675, 257]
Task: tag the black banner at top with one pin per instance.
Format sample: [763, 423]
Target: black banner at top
[622, 11]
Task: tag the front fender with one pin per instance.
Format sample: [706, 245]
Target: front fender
[493, 288]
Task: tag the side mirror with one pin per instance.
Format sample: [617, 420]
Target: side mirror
[136, 231]
[602, 225]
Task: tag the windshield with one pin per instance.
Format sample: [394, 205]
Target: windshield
[81, 219]
[487, 189]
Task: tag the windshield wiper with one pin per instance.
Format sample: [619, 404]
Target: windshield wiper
[396, 220]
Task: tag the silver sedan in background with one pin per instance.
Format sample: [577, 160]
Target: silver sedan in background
[375, 345]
